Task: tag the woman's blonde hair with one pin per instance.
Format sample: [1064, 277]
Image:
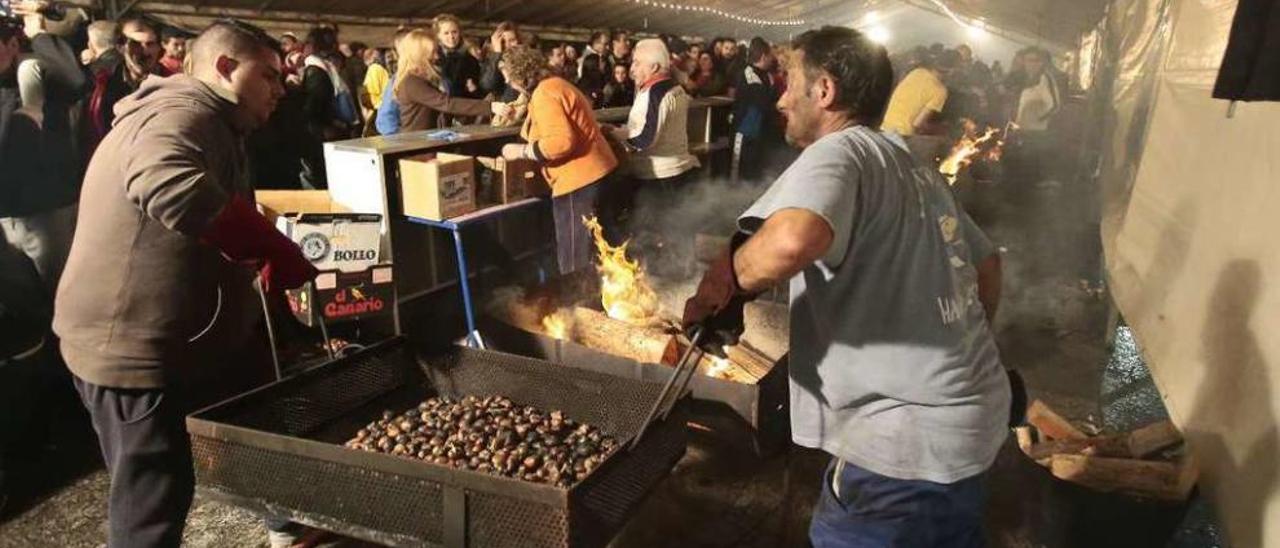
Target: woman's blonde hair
[417, 57]
[443, 18]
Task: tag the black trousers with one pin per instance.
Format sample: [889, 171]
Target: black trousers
[148, 454]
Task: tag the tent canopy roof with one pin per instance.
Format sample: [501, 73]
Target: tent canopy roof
[1050, 20]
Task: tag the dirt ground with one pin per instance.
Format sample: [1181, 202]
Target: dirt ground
[1052, 328]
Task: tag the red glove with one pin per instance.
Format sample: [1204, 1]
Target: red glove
[718, 305]
[243, 234]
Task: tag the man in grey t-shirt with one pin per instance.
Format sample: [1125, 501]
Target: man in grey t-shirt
[894, 370]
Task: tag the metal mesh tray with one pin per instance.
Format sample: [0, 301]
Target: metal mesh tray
[277, 451]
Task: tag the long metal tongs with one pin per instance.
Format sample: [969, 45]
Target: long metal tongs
[271, 332]
[684, 371]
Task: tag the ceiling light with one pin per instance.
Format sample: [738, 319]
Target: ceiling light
[878, 34]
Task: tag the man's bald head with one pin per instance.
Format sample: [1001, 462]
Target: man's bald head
[231, 39]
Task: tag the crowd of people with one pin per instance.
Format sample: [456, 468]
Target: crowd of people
[164, 142]
[132, 167]
[940, 90]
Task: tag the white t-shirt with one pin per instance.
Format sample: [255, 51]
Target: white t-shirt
[1036, 103]
[893, 365]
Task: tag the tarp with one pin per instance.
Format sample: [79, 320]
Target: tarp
[1190, 251]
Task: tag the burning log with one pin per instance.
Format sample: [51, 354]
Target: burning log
[1161, 480]
[597, 330]
[750, 360]
[988, 146]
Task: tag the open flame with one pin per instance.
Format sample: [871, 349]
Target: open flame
[989, 145]
[556, 326]
[719, 367]
[624, 292]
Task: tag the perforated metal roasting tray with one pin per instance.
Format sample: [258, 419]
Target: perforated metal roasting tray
[277, 451]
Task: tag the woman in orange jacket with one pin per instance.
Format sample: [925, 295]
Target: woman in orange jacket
[562, 134]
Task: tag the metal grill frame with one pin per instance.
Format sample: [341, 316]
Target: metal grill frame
[248, 449]
[760, 411]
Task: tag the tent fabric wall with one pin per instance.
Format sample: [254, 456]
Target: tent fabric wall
[1134, 37]
[1190, 253]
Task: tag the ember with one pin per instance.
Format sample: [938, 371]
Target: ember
[987, 146]
[719, 368]
[624, 292]
[556, 326]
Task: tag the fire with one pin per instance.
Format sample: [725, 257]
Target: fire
[556, 326]
[719, 368]
[624, 292]
[970, 145]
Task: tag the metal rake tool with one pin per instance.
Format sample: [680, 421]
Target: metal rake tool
[684, 372]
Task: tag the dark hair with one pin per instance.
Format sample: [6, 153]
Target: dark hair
[860, 68]
[10, 27]
[322, 39]
[947, 60]
[236, 36]
[169, 33]
[139, 21]
[758, 49]
[600, 34]
[676, 45]
[357, 47]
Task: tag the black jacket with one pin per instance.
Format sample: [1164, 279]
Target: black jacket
[493, 82]
[618, 95]
[755, 104]
[40, 160]
[457, 66]
[19, 151]
[1251, 65]
[322, 120]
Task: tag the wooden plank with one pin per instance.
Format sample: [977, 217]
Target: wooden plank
[596, 330]
[1050, 423]
[1100, 446]
[1025, 438]
[1137, 444]
[1160, 480]
[1153, 438]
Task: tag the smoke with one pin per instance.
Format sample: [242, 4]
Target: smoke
[665, 224]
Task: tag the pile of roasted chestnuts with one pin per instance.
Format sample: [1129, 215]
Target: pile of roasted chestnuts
[492, 435]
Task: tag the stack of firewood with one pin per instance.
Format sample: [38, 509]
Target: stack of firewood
[1143, 462]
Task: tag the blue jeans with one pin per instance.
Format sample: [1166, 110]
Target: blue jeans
[874, 511]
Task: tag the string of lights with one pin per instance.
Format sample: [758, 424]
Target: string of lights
[672, 6]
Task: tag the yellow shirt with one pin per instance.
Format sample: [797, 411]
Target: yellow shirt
[375, 82]
[921, 90]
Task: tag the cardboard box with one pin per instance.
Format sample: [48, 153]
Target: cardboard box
[438, 186]
[503, 181]
[274, 203]
[329, 237]
[343, 296]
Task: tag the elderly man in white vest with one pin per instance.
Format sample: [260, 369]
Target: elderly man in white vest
[656, 134]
